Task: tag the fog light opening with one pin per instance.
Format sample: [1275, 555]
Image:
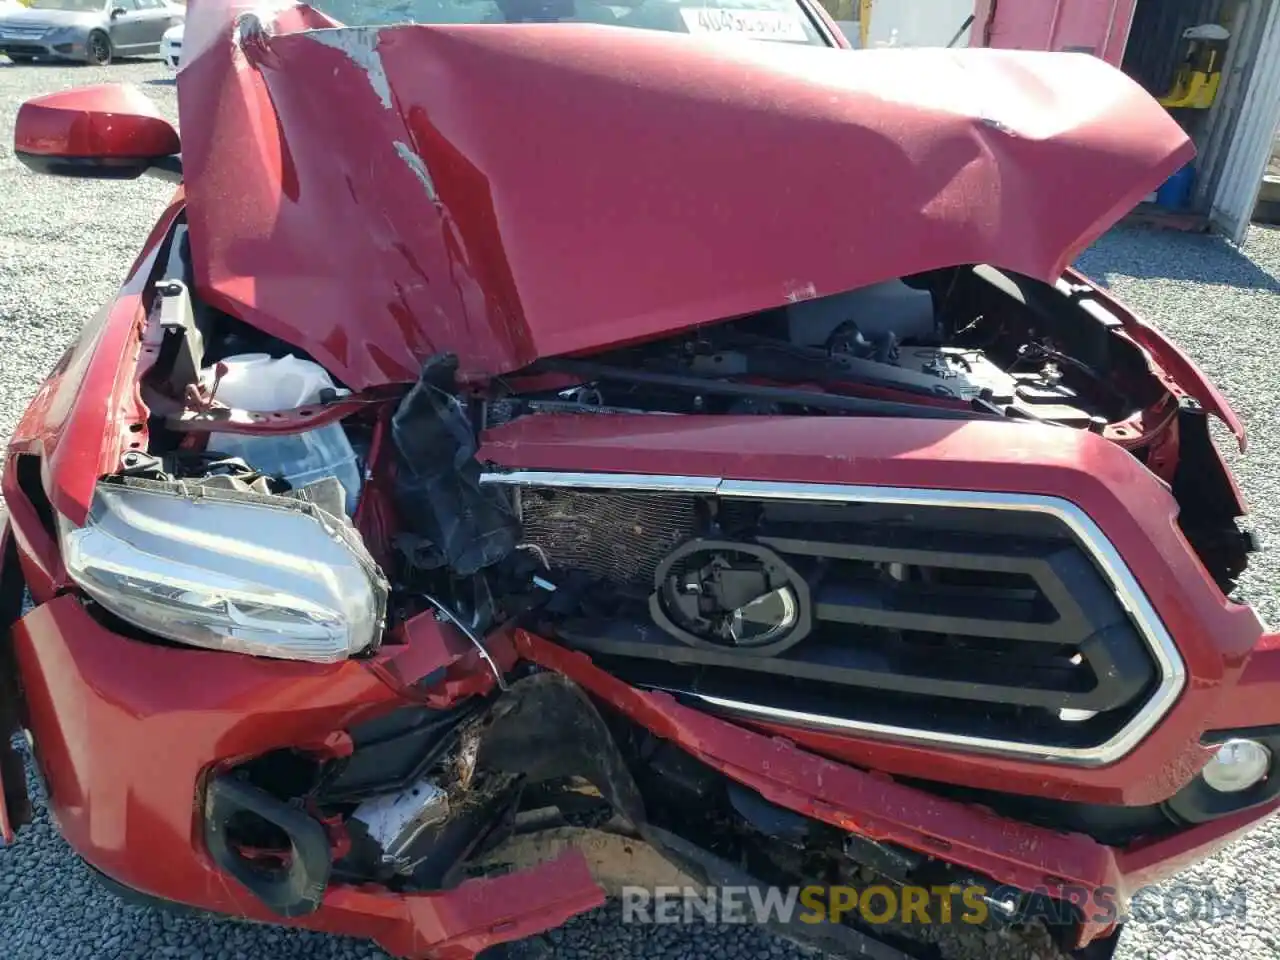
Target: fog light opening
[1238, 765]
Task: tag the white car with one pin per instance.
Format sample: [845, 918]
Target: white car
[171, 46]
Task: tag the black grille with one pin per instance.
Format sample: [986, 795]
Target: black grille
[956, 620]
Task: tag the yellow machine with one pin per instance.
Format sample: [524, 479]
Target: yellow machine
[1196, 83]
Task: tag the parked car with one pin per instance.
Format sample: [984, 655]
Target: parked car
[93, 31]
[529, 459]
[171, 46]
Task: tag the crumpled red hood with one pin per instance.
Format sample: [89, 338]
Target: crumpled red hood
[508, 192]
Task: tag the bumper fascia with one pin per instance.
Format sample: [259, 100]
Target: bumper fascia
[66, 50]
[126, 734]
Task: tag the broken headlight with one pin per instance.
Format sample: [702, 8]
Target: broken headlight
[250, 573]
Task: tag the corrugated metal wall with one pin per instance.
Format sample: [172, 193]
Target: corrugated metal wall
[1155, 40]
[1236, 187]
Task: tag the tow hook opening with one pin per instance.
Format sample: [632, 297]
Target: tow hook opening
[292, 885]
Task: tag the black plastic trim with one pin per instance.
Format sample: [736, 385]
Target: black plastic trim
[1007, 613]
[17, 802]
[393, 752]
[26, 470]
[1198, 802]
[961, 676]
[292, 891]
[90, 168]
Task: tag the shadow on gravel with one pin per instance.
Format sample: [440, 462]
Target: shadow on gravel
[1151, 254]
[161, 82]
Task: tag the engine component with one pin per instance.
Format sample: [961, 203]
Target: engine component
[258, 381]
[880, 310]
[395, 821]
[970, 375]
[739, 596]
[965, 373]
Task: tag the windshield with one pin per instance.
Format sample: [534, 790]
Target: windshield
[80, 6]
[781, 20]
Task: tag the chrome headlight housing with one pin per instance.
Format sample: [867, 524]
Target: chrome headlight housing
[227, 569]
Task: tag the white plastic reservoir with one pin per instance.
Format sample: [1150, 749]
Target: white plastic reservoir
[264, 384]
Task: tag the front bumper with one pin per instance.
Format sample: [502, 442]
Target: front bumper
[60, 50]
[127, 735]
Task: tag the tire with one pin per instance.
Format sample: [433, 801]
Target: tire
[20, 57]
[97, 49]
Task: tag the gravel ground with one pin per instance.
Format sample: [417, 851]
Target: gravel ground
[63, 248]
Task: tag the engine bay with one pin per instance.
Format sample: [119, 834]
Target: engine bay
[963, 342]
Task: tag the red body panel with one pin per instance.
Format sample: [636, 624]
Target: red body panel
[107, 120]
[1135, 511]
[1178, 371]
[84, 417]
[472, 205]
[6, 823]
[126, 731]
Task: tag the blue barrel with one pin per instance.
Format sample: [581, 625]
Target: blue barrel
[1175, 193]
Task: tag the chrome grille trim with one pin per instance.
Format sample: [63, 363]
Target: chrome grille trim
[1169, 662]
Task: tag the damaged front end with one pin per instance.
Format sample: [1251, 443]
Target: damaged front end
[443, 587]
[587, 630]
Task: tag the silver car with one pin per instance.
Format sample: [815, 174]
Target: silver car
[90, 30]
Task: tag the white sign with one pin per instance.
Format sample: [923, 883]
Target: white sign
[752, 24]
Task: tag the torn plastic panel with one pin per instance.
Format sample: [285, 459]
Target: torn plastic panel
[450, 519]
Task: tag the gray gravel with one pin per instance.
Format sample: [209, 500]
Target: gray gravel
[64, 246]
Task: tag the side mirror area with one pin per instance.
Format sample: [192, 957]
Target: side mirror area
[117, 12]
[107, 131]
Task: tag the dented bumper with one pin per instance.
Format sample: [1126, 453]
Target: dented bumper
[128, 735]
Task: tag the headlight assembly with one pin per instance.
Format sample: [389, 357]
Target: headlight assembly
[271, 576]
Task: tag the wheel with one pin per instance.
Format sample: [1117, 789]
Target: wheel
[20, 57]
[97, 48]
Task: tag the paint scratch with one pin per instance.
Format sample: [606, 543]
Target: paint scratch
[797, 291]
[419, 168]
[361, 45]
